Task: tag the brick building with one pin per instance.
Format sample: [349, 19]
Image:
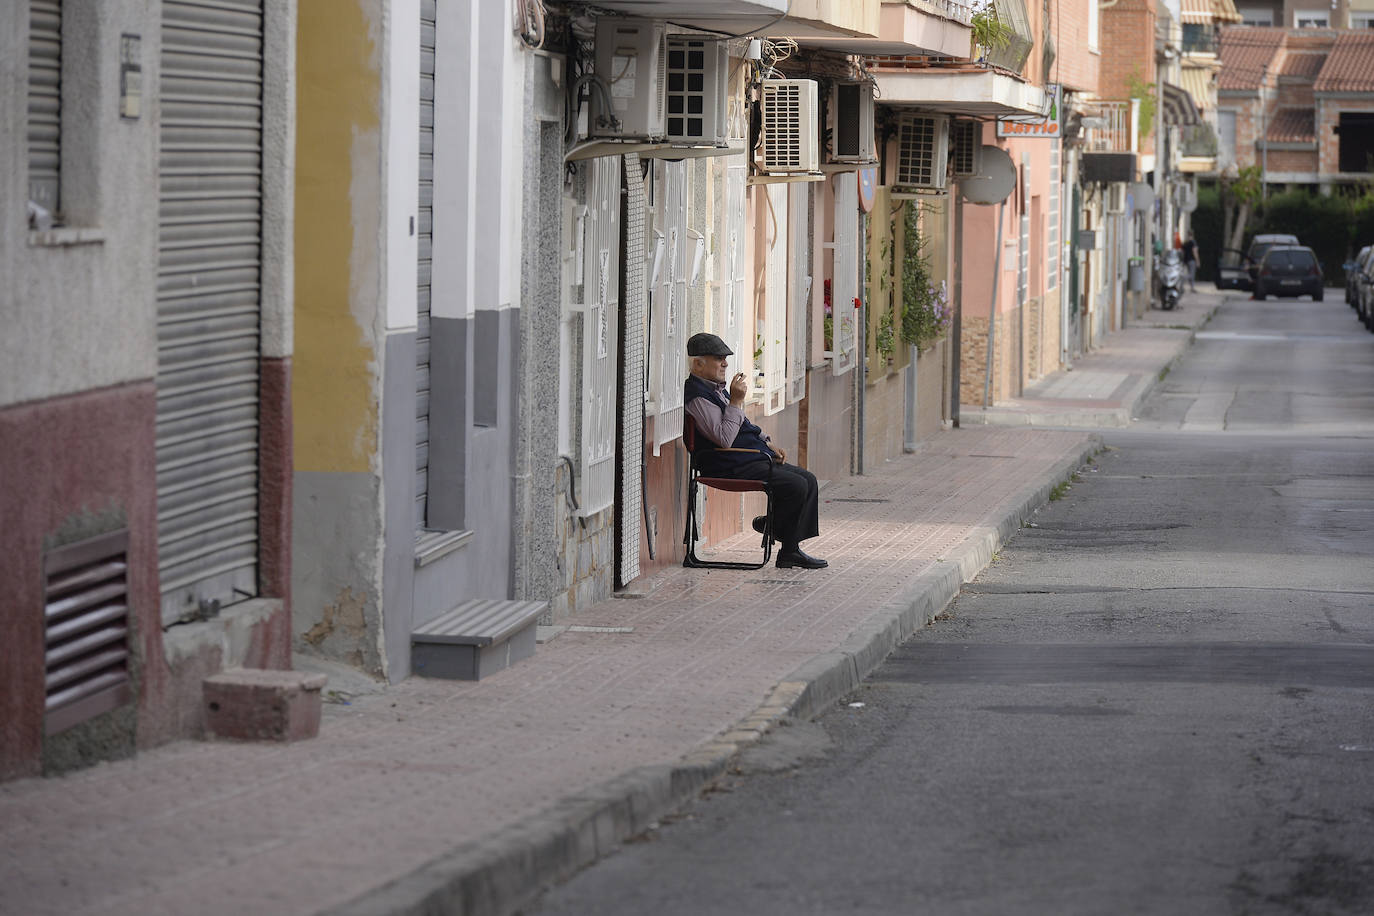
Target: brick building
[1298, 103]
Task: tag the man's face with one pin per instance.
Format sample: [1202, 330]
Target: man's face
[713, 367]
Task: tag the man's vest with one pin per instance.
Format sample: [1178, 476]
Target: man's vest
[715, 463]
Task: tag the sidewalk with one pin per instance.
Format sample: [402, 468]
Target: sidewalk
[456, 797]
[1102, 389]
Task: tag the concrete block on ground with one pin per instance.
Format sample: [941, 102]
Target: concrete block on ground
[260, 704]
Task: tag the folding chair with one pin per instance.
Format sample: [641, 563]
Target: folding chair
[731, 484]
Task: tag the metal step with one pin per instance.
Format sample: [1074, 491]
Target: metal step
[477, 638]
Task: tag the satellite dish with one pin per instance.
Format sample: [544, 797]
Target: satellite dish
[1143, 195]
[995, 179]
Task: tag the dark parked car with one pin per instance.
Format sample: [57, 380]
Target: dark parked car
[1259, 245]
[1289, 270]
[1352, 276]
[1232, 272]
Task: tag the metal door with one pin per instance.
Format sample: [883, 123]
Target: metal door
[208, 304]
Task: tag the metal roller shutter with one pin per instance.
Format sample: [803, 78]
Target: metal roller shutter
[425, 234]
[209, 245]
[45, 102]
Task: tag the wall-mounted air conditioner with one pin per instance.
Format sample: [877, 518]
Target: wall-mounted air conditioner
[789, 143]
[696, 92]
[922, 151]
[966, 147]
[631, 57]
[850, 117]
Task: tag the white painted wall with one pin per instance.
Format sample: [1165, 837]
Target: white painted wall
[452, 286]
[401, 149]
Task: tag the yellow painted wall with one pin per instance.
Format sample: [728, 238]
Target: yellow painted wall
[335, 378]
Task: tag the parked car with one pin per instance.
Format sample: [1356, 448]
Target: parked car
[1232, 270]
[1289, 270]
[1364, 291]
[1352, 276]
[1262, 243]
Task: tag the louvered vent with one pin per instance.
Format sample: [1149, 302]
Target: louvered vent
[789, 126]
[922, 151]
[86, 632]
[965, 148]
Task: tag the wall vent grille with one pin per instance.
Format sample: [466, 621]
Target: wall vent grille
[86, 629]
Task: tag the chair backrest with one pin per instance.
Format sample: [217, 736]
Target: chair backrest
[689, 432]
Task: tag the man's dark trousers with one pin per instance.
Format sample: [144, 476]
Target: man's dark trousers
[796, 505]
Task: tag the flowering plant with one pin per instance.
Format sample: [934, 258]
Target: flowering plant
[925, 303]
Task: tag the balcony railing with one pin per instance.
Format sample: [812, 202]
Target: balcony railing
[1108, 127]
[950, 9]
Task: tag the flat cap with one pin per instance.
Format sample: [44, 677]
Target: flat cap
[704, 344]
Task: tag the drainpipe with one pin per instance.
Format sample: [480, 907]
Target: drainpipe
[861, 332]
[909, 429]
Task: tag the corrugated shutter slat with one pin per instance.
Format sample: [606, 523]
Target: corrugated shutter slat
[209, 263]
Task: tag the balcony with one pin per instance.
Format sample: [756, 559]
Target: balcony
[1110, 127]
[777, 18]
[906, 28]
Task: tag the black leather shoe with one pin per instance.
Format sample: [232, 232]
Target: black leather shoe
[759, 522]
[788, 559]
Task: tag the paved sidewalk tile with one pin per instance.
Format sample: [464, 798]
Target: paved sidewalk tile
[1103, 387]
[422, 768]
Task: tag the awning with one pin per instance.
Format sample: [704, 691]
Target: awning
[973, 92]
[1197, 82]
[1209, 11]
[737, 17]
[907, 29]
[1179, 107]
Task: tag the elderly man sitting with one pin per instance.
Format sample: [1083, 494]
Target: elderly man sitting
[719, 415]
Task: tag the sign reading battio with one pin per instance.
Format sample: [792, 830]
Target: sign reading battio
[1048, 127]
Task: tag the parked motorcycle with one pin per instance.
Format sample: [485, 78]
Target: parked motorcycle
[1168, 279]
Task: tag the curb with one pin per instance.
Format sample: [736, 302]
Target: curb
[496, 875]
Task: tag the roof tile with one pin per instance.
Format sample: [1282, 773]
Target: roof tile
[1245, 52]
[1292, 125]
[1350, 65]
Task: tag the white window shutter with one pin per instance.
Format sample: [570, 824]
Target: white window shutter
[600, 317]
[728, 322]
[844, 287]
[774, 323]
[798, 288]
[668, 359]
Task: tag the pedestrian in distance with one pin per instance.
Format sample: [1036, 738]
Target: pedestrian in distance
[717, 407]
[1190, 262]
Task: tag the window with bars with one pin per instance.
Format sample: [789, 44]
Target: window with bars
[668, 300]
[845, 274]
[798, 288]
[600, 316]
[728, 314]
[772, 327]
[1052, 247]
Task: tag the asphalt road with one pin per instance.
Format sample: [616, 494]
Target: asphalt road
[1159, 699]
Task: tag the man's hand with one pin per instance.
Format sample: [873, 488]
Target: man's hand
[739, 387]
[780, 452]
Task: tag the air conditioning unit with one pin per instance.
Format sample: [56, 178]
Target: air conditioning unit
[922, 151]
[851, 123]
[966, 147]
[697, 89]
[631, 58]
[789, 143]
